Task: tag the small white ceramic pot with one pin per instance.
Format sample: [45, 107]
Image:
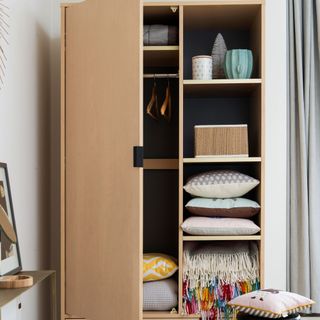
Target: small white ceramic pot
[202, 68]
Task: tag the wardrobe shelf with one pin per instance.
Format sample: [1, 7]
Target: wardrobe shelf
[220, 87]
[220, 238]
[161, 164]
[221, 159]
[160, 48]
[161, 56]
[167, 315]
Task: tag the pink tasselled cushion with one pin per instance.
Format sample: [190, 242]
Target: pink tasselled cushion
[270, 303]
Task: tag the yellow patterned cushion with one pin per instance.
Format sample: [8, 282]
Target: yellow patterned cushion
[158, 266]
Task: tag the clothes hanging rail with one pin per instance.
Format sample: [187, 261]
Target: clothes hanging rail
[160, 75]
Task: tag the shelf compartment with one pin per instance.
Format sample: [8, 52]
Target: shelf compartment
[156, 315]
[159, 14]
[252, 169]
[221, 238]
[161, 164]
[237, 16]
[161, 56]
[160, 137]
[160, 211]
[240, 26]
[221, 159]
[224, 108]
[220, 87]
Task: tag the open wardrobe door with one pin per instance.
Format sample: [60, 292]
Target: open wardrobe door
[102, 124]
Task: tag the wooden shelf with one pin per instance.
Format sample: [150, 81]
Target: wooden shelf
[161, 164]
[220, 87]
[166, 315]
[221, 159]
[7, 295]
[161, 56]
[160, 48]
[221, 238]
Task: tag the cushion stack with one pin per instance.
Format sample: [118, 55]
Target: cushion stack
[218, 208]
[160, 290]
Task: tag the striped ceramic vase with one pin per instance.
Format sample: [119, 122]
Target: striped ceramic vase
[238, 64]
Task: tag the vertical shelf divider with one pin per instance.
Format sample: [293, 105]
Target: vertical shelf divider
[181, 77]
[263, 157]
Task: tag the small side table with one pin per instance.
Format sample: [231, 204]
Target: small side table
[7, 295]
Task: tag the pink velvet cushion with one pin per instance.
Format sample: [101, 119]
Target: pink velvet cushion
[270, 303]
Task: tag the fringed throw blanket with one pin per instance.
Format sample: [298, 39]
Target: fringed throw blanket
[216, 273]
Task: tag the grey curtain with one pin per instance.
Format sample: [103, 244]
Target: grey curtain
[304, 149]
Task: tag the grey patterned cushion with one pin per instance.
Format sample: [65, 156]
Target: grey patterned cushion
[220, 184]
[160, 295]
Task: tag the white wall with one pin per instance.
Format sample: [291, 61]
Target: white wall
[276, 147]
[24, 135]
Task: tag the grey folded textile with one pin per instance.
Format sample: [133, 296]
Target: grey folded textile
[156, 35]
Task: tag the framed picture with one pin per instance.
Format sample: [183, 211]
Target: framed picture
[10, 260]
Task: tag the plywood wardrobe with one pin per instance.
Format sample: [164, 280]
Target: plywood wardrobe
[110, 205]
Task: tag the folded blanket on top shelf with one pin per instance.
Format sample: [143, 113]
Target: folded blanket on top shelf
[157, 35]
[215, 273]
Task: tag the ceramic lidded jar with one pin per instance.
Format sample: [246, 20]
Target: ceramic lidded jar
[238, 64]
[202, 68]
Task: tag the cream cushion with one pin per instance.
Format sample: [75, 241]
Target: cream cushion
[219, 226]
[270, 303]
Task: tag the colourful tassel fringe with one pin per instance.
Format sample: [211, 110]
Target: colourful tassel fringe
[211, 302]
[207, 288]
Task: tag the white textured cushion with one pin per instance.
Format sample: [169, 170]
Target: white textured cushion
[220, 184]
[160, 295]
[229, 208]
[219, 226]
[270, 303]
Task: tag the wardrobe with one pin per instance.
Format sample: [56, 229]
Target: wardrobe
[122, 173]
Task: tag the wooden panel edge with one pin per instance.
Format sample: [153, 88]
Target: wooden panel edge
[263, 156]
[62, 162]
[161, 48]
[71, 4]
[202, 3]
[181, 154]
[222, 238]
[190, 82]
[141, 109]
[158, 315]
[161, 164]
[222, 160]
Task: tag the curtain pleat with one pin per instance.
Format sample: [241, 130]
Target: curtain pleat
[304, 149]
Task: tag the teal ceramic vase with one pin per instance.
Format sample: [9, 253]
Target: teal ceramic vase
[238, 64]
